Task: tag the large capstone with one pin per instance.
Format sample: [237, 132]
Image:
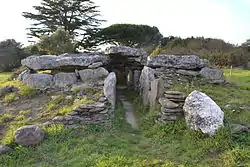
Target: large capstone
[125, 51]
[132, 54]
[187, 62]
[110, 88]
[147, 76]
[213, 75]
[91, 75]
[29, 135]
[65, 79]
[202, 113]
[38, 81]
[49, 62]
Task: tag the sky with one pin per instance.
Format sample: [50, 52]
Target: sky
[224, 19]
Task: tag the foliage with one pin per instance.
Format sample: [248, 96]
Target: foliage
[11, 54]
[76, 17]
[131, 34]
[57, 43]
[9, 98]
[218, 52]
[5, 76]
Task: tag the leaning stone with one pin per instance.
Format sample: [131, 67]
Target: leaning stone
[167, 103]
[4, 149]
[213, 75]
[147, 76]
[110, 88]
[29, 135]
[157, 90]
[65, 79]
[202, 113]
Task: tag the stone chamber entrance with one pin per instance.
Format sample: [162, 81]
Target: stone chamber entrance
[127, 71]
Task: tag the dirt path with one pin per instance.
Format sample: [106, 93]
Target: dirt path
[129, 114]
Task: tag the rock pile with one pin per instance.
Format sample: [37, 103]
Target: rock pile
[172, 103]
[84, 114]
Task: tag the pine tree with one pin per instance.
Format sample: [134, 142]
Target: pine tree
[77, 17]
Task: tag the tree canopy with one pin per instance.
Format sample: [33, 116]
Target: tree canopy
[11, 54]
[131, 34]
[77, 17]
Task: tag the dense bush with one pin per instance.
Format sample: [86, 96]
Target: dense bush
[217, 51]
[11, 54]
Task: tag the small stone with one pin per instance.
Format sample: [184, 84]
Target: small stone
[237, 128]
[174, 93]
[74, 113]
[169, 96]
[4, 149]
[167, 103]
[58, 119]
[102, 99]
[96, 65]
[69, 98]
[165, 110]
[29, 135]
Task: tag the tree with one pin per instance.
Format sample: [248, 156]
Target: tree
[11, 54]
[57, 43]
[131, 34]
[77, 17]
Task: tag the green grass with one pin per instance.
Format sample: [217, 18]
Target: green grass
[5, 76]
[238, 77]
[116, 144]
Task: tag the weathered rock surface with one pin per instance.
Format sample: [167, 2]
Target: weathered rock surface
[147, 76]
[29, 135]
[172, 109]
[110, 88]
[64, 79]
[49, 62]
[7, 89]
[39, 81]
[4, 149]
[125, 51]
[187, 62]
[202, 113]
[188, 73]
[238, 128]
[156, 91]
[92, 75]
[167, 103]
[96, 65]
[213, 75]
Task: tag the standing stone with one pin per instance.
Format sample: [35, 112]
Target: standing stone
[213, 75]
[110, 88]
[92, 75]
[136, 80]
[157, 90]
[38, 81]
[147, 76]
[202, 113]
[65, 79]
[29, 135]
